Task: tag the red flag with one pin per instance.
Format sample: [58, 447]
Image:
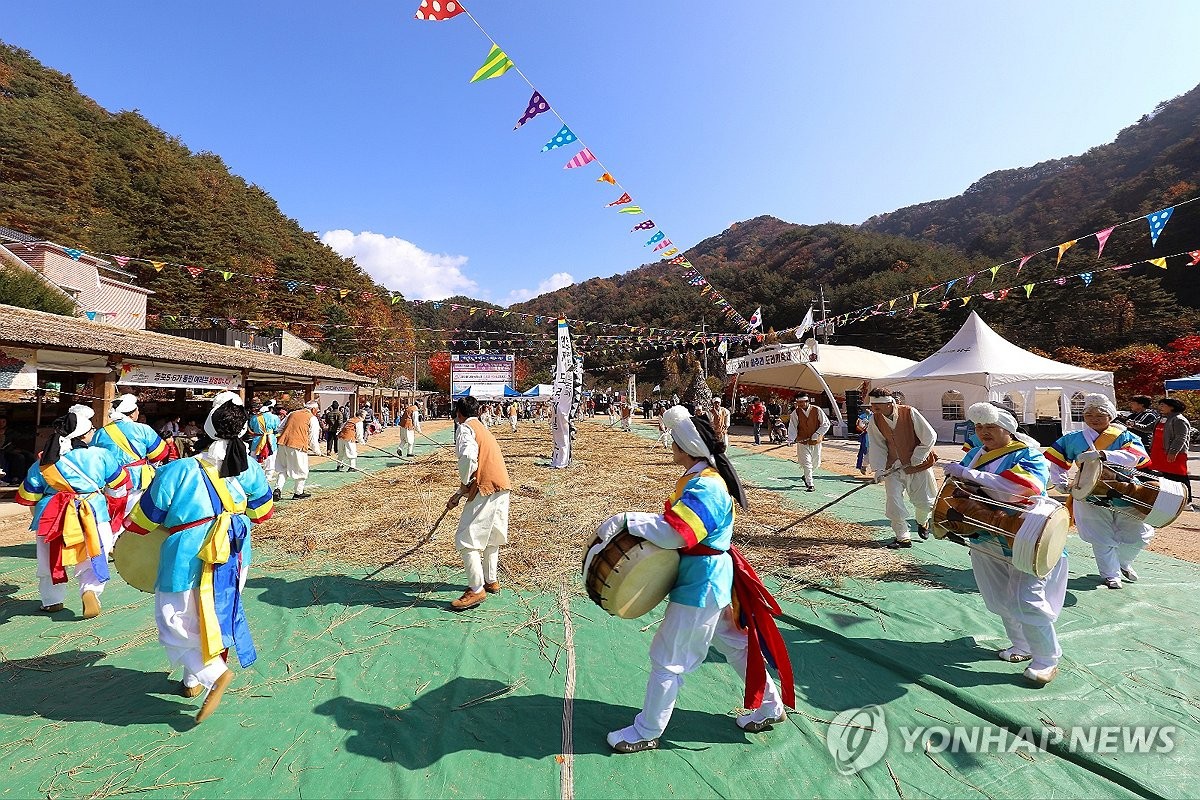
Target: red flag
[438, 10]
[620, 201]
[1195, 254]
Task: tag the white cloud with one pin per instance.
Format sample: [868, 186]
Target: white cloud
[558, 280]
[401, 265]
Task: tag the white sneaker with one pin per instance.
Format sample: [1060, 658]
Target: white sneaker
[759, 720]
[1112, 583]
[1012, 655]
[1041, 676]
[1129, 574]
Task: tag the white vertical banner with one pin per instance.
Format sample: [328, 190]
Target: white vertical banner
[562, 397]
[631, 391]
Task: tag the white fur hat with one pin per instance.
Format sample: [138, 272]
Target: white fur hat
[988, 414]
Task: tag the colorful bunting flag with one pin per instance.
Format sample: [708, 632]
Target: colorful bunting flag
[970, 280]
[1102, 237]
[916, 296]
[630, 210]
[1086, 277]
[582, 158]
[658, 237]
[73, 253]
[1195, 254]
[194, 271]
[122, 261]
[1028, 289]
[563, 137]
[320, 289]
[342, 293]
[227, 275]
[891, 304]
[607, 179]
[438, 10]
[1161, 263]
[678, 260]
[495, 65]
[1158, 221]
[670, 252]
[643, 226]
[292, 286]
[990, 295]
[537, 105]
[1061, 281]
[91, 315]
[158, 265]
[1024, 261]
[1062, 248]
[396, 299]
[949, 286]
[661, 245]
[994, 270]
[1003, 294]
[620, 201]
[966, 300]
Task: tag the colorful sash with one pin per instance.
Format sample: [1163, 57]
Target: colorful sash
[263, 449]
[68, 526]
[756, 610]
[213, 552]
[122, 441]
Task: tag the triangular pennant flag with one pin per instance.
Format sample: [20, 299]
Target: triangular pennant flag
[396, 299]
[678, 260]
[643, 226]
[1029, 289]
[620, 201]
[73, 253]
[367, 295]
[661, 245]
[194, 271]
[1024, 261]
[158, 265]
[563, 137]
[122, 261]
[1061, 281]
[970, 280]
[1158, 221]
[994, 270]
[495, 65]
[944, 305]
[607, 179]
[630, 210]
[438, 10]
[990, 295]
[91, 315]
[320, 289]
[671, 252]
[1003, 294]
[1123, 266]
[966, 300]
[227, 275]
[1062, 248]
[292, 286]
[916, 296]
[1161, 263]
[581, 158]
[658, 237]
[891, 304]
[1086, 277]
[537, 105]
[949, 286]
[1195, 256]
[1102, 237]
[343, 292]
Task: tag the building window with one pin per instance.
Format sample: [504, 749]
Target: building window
[1077, 407]
[953, 405]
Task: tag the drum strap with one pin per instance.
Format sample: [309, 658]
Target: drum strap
[758, 610]
[1103, 441]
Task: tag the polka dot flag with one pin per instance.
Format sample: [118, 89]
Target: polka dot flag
[563, 137]
[1158, 221]
[438, 10]
[537, 105]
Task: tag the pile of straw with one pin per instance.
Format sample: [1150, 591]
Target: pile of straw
[554, 514]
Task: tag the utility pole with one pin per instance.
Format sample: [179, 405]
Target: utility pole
[824, 317]
[704, 343]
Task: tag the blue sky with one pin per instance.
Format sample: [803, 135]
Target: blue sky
[361, 123]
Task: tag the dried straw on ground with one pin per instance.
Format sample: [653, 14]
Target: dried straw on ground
[554, 514]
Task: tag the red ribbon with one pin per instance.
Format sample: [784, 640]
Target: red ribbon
[50, 528]
[758, 610]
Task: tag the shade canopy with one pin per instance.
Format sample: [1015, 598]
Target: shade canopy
[1182, 384]
[791, 366]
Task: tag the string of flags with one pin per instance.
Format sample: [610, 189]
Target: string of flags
[1156, 222]
[496, 63]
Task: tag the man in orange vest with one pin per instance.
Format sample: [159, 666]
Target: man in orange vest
[483, 526]
[807, 426]
[898, 436]
[297, 438]
[410, 426]
[349, 438]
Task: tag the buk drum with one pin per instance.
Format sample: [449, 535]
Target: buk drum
[1036, 534]
[136, 558]
[627, 575]
[1156, 502]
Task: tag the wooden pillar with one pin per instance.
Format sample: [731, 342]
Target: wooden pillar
[310, 391]
[104, 391]
[245, 383]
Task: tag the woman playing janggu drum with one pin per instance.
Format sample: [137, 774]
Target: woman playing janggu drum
[1010, 468]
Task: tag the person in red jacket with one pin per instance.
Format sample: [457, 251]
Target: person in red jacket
[758, 415]
[1169, 447]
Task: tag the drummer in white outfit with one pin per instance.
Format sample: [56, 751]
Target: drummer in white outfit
[1010, 468]
[1116, 537]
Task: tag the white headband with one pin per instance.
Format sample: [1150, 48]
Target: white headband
[218, 401]
[1099, 401]
[312, 404]
[678, 421]
[887, 398]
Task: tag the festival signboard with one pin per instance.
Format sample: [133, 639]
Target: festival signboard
[177, 377]
[475, 369]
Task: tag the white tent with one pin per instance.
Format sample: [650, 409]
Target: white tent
[829, 368]
[978, 365]
[541, 392]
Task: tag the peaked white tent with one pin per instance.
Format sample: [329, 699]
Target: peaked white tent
[979, 365]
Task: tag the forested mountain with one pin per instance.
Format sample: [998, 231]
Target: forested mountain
[781, 266]
[79, 175]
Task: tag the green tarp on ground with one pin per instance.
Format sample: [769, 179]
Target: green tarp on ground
[373, 689]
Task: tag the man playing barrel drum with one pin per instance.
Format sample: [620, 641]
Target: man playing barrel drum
[698, 521]
[1116, 537]
[1010, 468]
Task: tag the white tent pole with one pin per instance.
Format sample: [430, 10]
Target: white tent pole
[832, 400]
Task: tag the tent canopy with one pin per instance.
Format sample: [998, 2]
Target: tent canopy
[1181, 384]
[789, 366]
[540, 390]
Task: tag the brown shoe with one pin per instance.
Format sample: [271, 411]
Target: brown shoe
[469, 599]
[91, 605]
[214, 697]
[190, 691]
[492, 588]
[52, 609]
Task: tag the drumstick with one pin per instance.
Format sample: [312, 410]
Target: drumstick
[412, 550]
[834, 502]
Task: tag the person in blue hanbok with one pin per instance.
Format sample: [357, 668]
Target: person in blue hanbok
[137, 445]
[70, 489]
[207, 504]
[264, 443]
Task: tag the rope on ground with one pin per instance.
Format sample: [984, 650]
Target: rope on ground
[567, 774]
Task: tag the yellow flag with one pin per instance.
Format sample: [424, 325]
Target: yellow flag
[670, 252]
[994, 270]
[1161, 263]
[1028, 289]
[1062, 248]
[158, 265]
[495, 65]
[891, 303]
[916, 296]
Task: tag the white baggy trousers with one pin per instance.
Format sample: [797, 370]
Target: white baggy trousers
[1116, 538]
[1028, 605]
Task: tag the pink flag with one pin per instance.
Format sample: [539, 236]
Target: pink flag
[620, 201]
[122, 260]
[583, 157]
[662, 244]
[1195, 254]
[1024, 261]
[1102, 237]
[194, 271]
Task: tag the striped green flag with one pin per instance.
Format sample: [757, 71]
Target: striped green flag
[495, 65]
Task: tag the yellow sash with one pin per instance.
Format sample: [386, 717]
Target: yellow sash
[991, 455]
[215, 550]
[81, 538]
[1103, 441]
[122, 441]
